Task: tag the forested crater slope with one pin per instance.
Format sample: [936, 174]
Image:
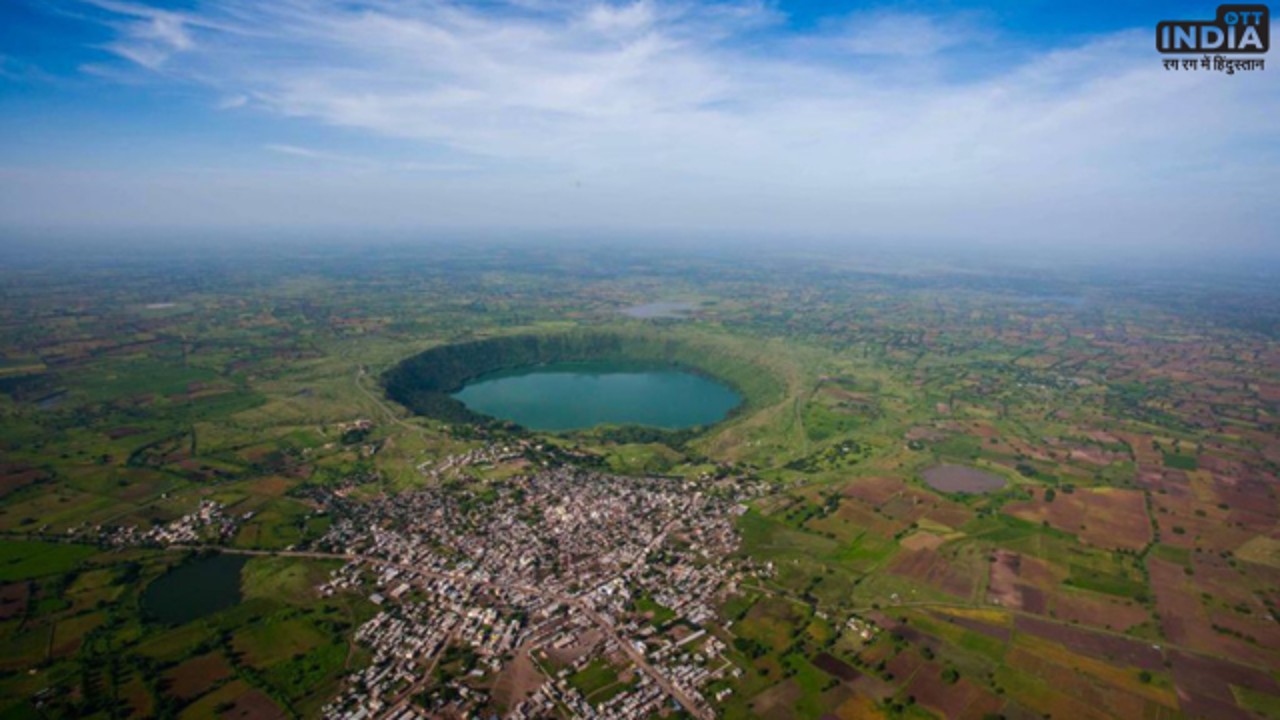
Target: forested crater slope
[423, 383]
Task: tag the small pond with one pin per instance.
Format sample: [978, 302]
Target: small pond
[194, 589]
[659, 310]
[962, 479]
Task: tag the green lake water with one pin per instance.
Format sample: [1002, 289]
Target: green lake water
[571, 396]
[194, 589]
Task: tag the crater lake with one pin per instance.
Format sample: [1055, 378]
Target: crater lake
[573, 396]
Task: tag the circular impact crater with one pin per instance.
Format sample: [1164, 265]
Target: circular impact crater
[581, 379]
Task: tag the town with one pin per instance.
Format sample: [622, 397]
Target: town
[561, 593]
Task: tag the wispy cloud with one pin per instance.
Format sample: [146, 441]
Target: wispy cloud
[703, 109]
[231, 102]
[308, 153]
[900, 34]
[354, 162]
[18, 70]
[147, 36]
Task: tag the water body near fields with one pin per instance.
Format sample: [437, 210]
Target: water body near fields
[961, 479]
[574, 396]
[660, 310]
[194, 589]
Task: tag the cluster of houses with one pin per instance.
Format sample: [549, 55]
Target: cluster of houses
[560, 568]
[208, 523]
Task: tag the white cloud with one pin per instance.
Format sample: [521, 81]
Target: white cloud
[620, 19]
[906, 34]
[364, 164]
[149, 36]
[232, 102]
[674, 113]
[303, 152]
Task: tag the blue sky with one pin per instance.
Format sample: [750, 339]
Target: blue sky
[1022, 122]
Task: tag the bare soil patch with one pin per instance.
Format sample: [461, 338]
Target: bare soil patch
[194, 677]
[836, 667]
[1104, 517]
[254, 705]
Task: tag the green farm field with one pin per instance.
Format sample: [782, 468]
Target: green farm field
[1125, 552]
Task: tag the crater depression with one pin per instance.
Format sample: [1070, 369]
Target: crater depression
[573, 381]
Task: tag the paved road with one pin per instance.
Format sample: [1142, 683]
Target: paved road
[386, 410]
[695, 709]
[415, 688]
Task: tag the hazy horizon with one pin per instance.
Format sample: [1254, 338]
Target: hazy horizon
[1004, 123]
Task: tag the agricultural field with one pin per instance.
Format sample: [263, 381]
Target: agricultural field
[988, 495]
